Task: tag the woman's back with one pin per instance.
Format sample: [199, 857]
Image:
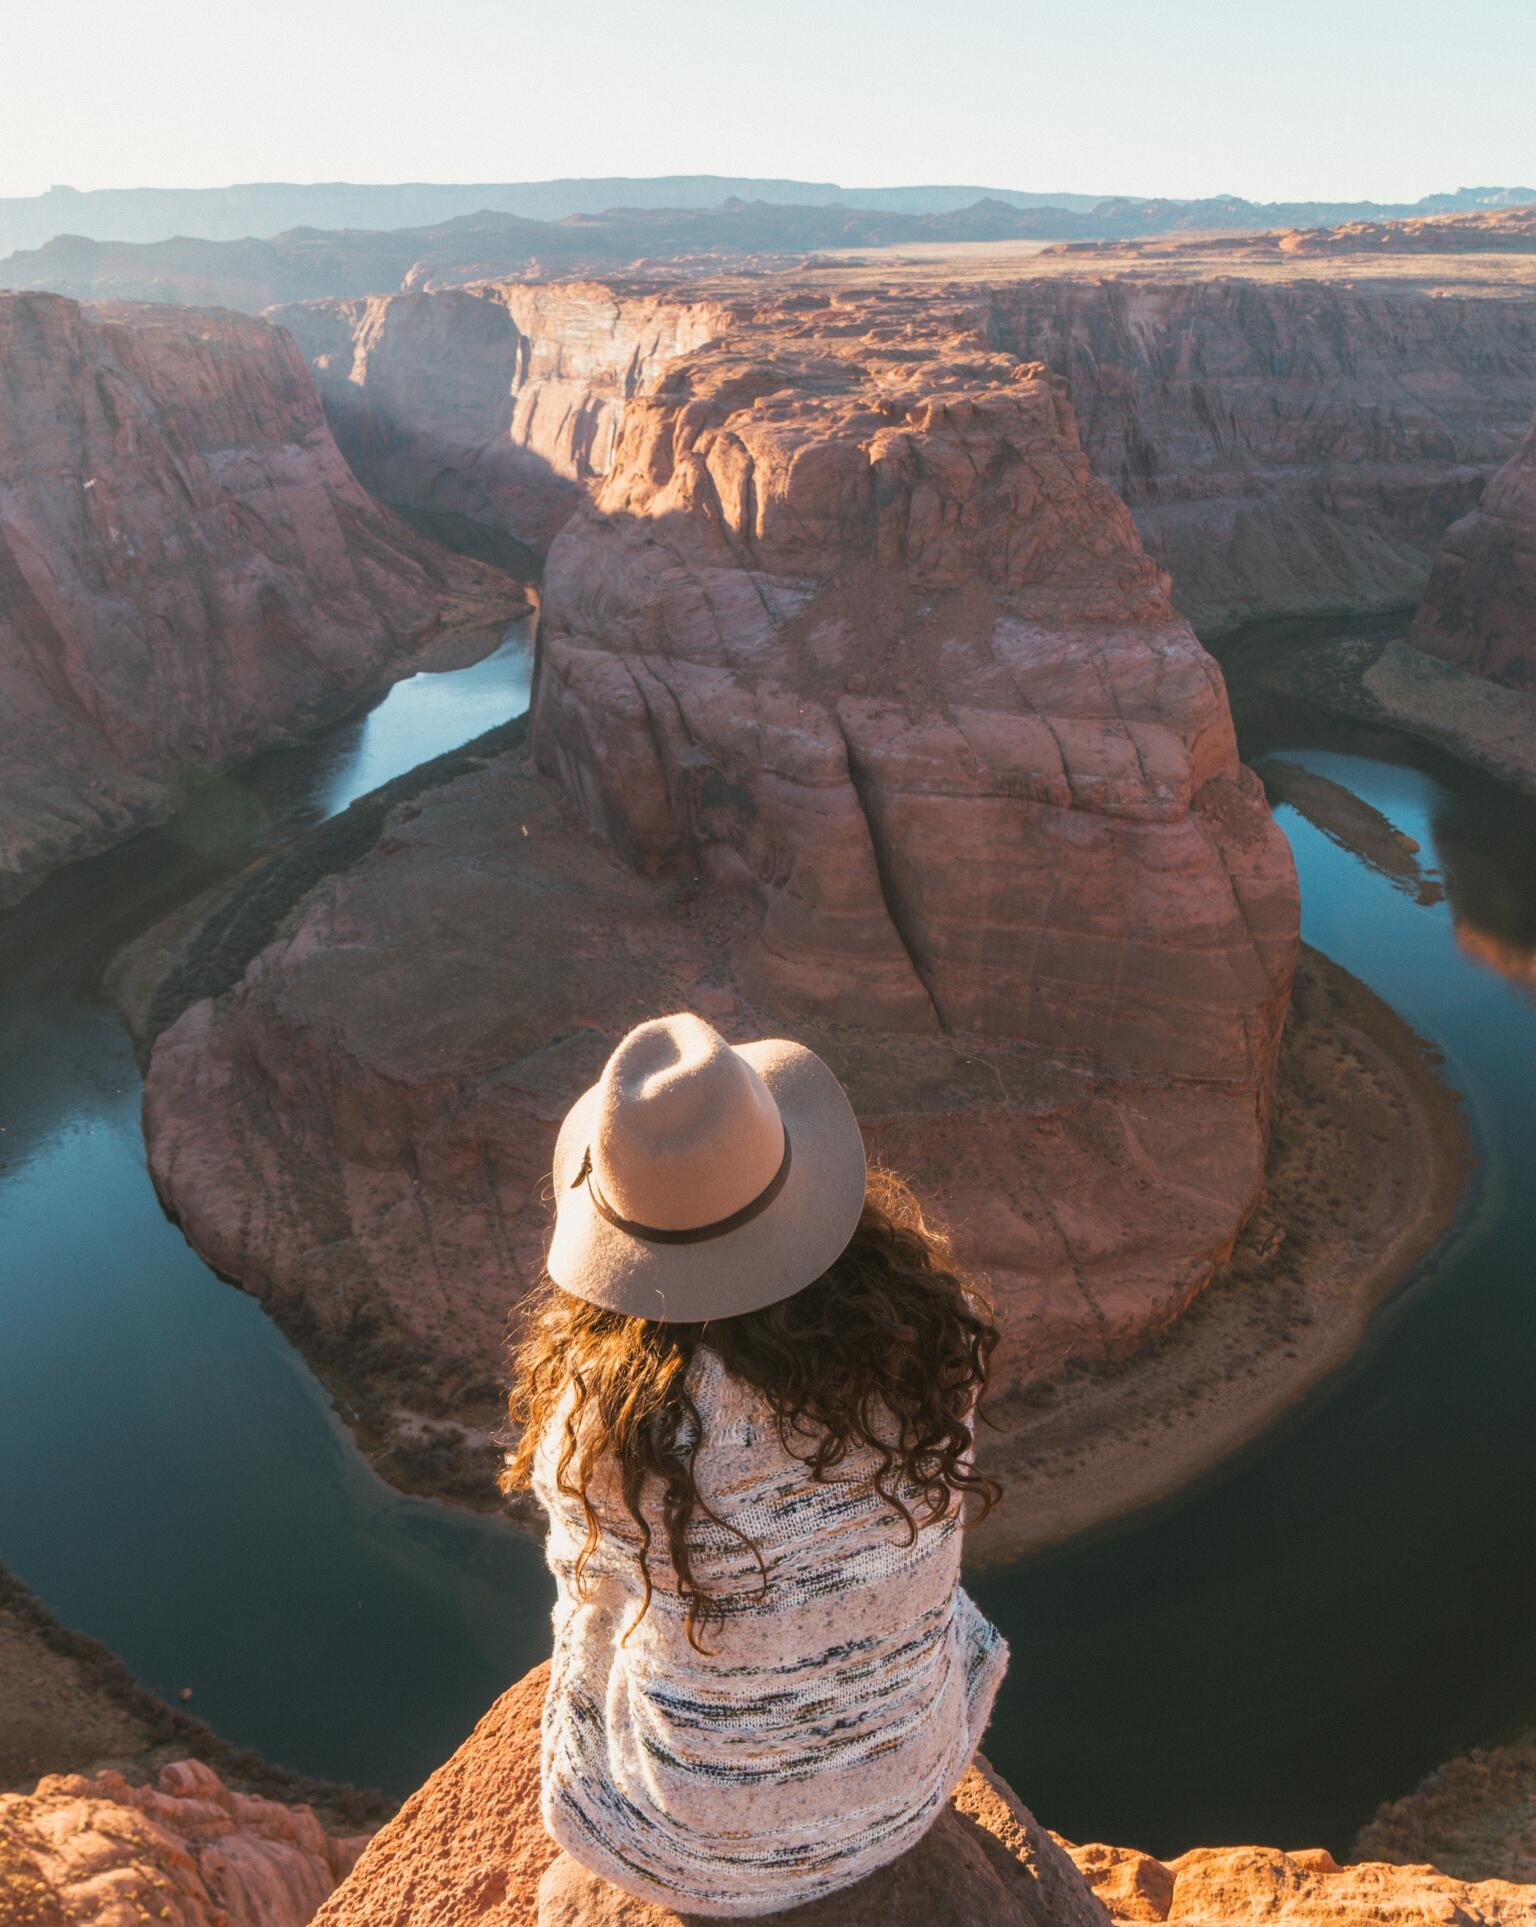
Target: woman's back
[843, 1687]
[745, 1400]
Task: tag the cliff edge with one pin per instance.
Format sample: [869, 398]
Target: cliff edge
[468, 1850]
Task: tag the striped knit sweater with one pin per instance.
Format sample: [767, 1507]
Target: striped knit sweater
[828, 1723]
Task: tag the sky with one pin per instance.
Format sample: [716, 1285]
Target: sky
[1310, 99]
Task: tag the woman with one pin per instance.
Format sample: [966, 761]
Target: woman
[746, 1400]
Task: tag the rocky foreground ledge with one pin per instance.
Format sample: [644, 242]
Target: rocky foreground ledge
[468, 1850]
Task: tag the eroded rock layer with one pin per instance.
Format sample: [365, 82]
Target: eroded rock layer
[99, 1852]
[188, 569]
[1285, 447]
[1479, 609]
[863, 717]
[499, 402]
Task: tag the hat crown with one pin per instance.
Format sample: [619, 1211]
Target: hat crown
[686, 1132]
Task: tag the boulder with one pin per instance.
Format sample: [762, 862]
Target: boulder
[188, 1851]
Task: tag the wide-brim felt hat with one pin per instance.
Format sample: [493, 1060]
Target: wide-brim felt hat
[699, 1179]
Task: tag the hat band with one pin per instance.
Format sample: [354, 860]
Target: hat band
[695, 1234]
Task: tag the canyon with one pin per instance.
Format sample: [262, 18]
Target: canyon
[861, 715]
[188, 568]
[1286, 446]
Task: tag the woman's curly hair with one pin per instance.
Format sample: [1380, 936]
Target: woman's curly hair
[887, 1351]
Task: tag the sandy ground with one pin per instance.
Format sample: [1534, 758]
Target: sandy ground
[1388, 683]
[1368, 1165]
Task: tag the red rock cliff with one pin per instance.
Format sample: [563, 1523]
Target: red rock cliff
[500, 402]
[187, 567]
[1284, 446]
[1479, 609]
[864, 717]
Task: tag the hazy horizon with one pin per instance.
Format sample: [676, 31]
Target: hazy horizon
[1353, 100]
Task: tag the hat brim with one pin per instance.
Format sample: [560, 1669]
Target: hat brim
[771, 1257]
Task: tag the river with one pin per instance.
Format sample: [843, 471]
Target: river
[1297, 1637]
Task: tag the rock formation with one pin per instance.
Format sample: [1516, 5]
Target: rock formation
[468, 1850]
[499, 403]
[1479, 609]
[861, 715]
[80, 1852]
[1475, 1817]
[187, 568]
[1285, 447]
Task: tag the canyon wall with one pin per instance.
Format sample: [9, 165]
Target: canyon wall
[499, 402]
[1479, 608]
[861, 716]
[1285, 447]
[188, 569]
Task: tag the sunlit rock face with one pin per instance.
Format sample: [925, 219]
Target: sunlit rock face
[499, 402]
[851, 628]
[1285, 446]
[861, 716]
[1479, 609]
[99, 1852]
[188, 569]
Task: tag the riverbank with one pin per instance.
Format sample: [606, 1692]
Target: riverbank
[68, 1705]
[1368, 1166]
[1386, 684]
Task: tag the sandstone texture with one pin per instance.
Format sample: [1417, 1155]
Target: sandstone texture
[1479, 608]
[500, 403]
[468, 1850]
[188, 569]
[861, 716]
[1475, 1817]
[99, 1852]
[1285, 445]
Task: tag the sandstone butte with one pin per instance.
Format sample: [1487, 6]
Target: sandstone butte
[1479, 608]
[861, 715]
[188, 569]
[469, 1850]
[1286, 445]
